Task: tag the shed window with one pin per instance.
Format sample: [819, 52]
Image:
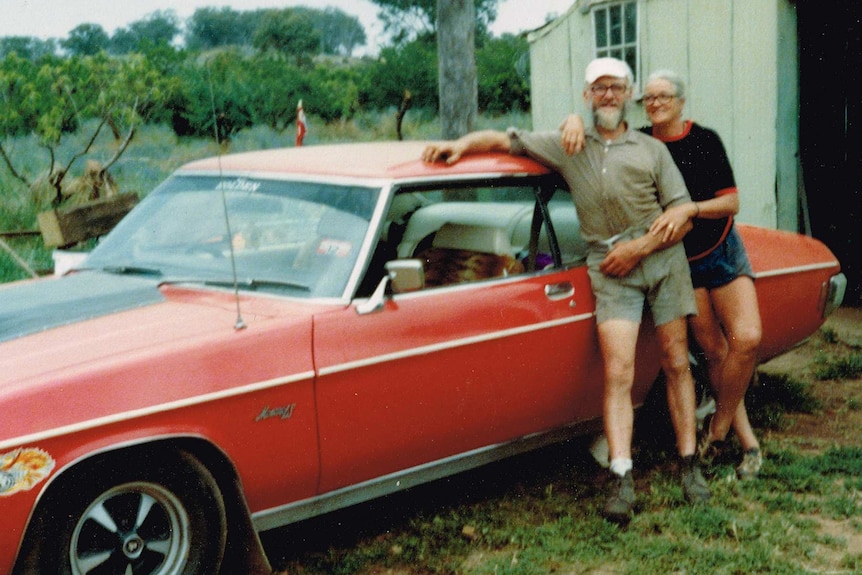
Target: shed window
[616, 27]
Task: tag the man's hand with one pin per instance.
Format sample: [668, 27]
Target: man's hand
[622, 258]
[674, 223]
[573, 134]
[450, 152]
[472, 143]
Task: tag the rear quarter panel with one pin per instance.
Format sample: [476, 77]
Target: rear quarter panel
[791, 275]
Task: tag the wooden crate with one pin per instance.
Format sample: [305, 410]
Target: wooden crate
[67, 226]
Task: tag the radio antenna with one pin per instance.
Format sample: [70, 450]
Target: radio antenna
[240, 324]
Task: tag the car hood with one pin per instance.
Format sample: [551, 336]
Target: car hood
[32, 307]
[94, 349]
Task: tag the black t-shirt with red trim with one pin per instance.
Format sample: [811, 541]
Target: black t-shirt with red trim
[700, 156]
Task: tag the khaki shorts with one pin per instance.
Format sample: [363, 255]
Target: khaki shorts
[661, 280]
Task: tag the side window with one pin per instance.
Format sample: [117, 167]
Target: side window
[615, 27]
[472, 232]
[567, 229]
[469, 233]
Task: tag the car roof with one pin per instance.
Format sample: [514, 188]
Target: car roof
[371, 160]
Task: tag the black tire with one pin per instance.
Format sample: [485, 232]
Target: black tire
[147, 514]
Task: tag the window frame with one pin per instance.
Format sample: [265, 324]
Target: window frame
[604, 10]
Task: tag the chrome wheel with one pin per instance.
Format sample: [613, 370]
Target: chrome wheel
[135, 528]
[143, 512]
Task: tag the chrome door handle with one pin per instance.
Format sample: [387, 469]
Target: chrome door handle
[562, 290]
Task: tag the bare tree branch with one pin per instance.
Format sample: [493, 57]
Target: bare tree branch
[11, 168]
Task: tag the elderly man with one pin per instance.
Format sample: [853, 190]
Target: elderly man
[621, 183]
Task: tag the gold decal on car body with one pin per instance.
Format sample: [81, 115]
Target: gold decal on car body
[285, 412]
[22, 469]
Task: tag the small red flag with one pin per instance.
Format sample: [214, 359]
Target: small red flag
[301, 128]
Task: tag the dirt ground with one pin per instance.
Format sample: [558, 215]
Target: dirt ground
[839, 422]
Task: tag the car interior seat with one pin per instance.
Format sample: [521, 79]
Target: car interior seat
[463, 253]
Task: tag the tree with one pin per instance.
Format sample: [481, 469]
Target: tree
[27, 47]
[503, 66]
[214, 98]
[288, 32]
[456, 28]
[412, 67]
[53, 98]
[339, 32]
[86, 40]
[405, 20]
[160, 27]
[213, 27]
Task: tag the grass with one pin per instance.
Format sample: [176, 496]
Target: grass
[523, 528]
[156, 152]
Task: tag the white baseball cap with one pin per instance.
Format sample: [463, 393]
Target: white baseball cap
[608, 67]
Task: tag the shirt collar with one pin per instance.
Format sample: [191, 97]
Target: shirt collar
[626, 137]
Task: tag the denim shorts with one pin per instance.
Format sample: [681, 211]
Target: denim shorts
[722, 265]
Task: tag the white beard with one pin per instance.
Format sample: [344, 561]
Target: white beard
[609, 120]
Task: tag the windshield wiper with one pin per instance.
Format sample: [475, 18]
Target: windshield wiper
[248, 283]
[131, 270]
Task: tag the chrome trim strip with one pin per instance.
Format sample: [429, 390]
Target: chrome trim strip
[796, 270]
[423, 350]
[144, 412]
[414, 476]
[367, 181]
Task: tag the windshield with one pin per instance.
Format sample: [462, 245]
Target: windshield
[298, 238]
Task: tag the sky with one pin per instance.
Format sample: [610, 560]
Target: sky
[55, 18]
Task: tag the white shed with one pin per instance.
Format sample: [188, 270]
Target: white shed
[738, 57]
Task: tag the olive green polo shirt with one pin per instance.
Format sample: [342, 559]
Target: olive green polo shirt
[618, 186]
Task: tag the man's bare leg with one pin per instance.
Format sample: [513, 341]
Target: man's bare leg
[673, 339]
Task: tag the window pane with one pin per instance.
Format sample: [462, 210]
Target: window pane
[616, 18]
[631, 57]
[631, 19]
[617, 53]
[601, 28]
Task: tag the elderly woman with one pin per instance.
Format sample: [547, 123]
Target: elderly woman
[727, 327]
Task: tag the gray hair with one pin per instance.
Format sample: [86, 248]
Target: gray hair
[672, 77]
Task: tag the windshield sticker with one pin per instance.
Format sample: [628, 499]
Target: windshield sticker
[23, 469]
[238, 185]
[337, 248]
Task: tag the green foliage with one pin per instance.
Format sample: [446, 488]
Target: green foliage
[407, 20]
[86, 40]
[412, 68]
[504, 82]
[289, 33]
[27, 47]
[219, 90]
[160, 27]
[210, 28]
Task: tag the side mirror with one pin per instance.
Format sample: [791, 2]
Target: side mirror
[404, 275]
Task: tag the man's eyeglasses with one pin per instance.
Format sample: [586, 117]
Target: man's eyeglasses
[650, 99]
[600, 90]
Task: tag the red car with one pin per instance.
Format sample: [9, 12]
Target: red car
[273, 335]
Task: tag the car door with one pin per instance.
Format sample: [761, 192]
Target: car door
[450, 369]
